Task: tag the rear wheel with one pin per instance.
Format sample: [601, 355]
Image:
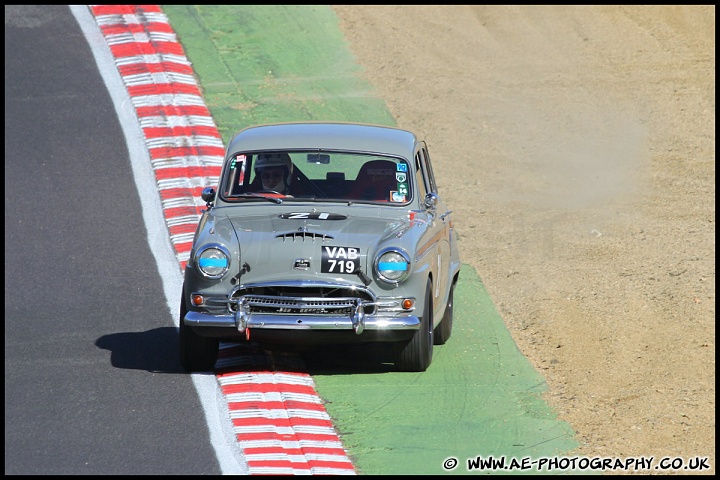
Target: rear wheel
[416, 355]
[444, 329]
[197, 353]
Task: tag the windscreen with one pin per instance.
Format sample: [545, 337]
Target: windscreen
[318, 176]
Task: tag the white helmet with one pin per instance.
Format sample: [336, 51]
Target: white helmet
[275, 160]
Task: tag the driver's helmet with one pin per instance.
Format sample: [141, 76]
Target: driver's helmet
[265, 160]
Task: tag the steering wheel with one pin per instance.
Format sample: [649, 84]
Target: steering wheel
[266, 190]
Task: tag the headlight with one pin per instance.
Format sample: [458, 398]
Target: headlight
[213, 261]
[392, 265]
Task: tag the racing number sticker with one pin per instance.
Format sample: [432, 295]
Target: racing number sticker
[340, 259]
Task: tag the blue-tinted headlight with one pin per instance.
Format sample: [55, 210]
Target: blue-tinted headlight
[392, 266]
[213, 261]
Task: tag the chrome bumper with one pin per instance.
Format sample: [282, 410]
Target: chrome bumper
[358, 323]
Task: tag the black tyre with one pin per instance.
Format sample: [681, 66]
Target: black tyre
[197, 353]
[444, 328]
[416, 355]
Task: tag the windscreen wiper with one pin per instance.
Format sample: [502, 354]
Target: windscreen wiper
[258, 195]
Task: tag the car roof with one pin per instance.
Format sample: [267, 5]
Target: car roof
[325, 136]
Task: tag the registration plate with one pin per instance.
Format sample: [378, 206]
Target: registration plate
[342, 260]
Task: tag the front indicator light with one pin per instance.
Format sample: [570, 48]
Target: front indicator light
[408, 304]
[197, 300]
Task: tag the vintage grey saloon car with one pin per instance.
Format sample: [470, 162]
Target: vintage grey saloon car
[322, 233]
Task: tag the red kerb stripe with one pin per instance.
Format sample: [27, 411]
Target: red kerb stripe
[196, 151]
[163, 89]
[133, 28]
[159, 132]
[267, 387]
[124, 9]
[145, 68]
[132, 49]
[275, 405]
[173, 110]
[293, 451]
[312, 437]
[186, 172]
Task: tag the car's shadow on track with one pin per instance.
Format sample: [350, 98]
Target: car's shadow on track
[316, 360]
[154, 350]
[348, 360]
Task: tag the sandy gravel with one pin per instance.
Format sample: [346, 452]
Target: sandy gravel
[576, 146]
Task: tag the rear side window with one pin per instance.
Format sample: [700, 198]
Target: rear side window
[420, 177]
[428, 175]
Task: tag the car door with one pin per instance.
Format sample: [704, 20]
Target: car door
[439, 227]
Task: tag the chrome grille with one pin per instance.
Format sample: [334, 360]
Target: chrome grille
[315, 299]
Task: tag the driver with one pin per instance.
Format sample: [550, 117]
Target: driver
[275, 171]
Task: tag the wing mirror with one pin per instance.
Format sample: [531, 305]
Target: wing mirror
[431, 201]
[208, 195]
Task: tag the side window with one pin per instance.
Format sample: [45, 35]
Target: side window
[420, 177]
[236, 176]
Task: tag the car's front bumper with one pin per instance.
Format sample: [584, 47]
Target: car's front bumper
[300, 322]
[304, 310]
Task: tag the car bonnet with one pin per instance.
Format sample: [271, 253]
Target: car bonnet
[293, 244]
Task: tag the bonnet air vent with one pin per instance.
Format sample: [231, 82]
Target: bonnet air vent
[301, 236]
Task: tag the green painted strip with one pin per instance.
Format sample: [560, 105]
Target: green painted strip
[275, 63]
[480, 397]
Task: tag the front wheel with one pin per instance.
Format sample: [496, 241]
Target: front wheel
[416, 355]
[444, 329]
[197, 353]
